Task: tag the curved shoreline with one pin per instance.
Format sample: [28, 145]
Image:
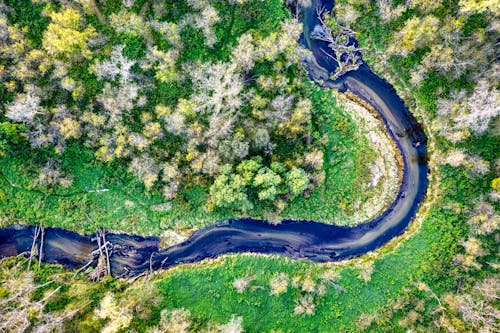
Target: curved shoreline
[319, 242]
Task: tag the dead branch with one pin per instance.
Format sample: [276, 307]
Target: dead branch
[163, 261]
[83, 267]
[97, 12]
[296, 6]
[40, 254]
[106, 250]
[103, 257]
[138, 276]
[345, 55]
[35, 237]
[151, 265]
[99, 271]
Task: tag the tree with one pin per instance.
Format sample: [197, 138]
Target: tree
[267, 182]
[234, 147]
[51, 175]
[234, 324]
[130, 23]
[116, 67]
[462, 113]
[163, 63]
[118, 101]
[248, 168]
[66, 36]
[228, 190]
[119, 317]
[261, 140]
[300, 119]
[145, 169]
[426, 6]
[10, 134]
[305, 305]
[296, 181]
[278, 167]
[278, 284]
[482, 106]
[242, 283]
[70, 128]
[24, 108]
[217, 88]
[479, 6]
[280, 110]
[314, 159]
[204, 20]
[282, 44]
[169, 31]
[207, 163]
[387, 11]
[417, 33]
[339, 39]
[244, 53]
[22, 311]
[174, 321]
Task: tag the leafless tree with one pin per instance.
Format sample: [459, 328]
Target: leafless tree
[103, 253]
[297, 6]
[21, 312]
[345, 54]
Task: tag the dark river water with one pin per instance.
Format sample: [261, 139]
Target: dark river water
[319, 242]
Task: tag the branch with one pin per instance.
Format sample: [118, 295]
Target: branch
[97, 11]
[35, 237]
[40, 254]
[106, 250]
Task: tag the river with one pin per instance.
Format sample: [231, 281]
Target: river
[319, 242]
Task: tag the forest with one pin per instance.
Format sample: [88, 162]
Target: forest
[161, 117]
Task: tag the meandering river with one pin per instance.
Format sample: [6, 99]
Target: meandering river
[319, 242]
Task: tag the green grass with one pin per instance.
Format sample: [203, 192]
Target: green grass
[347, 158]
[208, 294]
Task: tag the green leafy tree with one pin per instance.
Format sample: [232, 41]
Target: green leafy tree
[229, 190]
[268, 183]
[66, 35]
[296, 181]
[278, 167]
[9, 134]
[248, 168]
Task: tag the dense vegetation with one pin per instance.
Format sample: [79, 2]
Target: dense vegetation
[443, 276]
[200, 103]
[178, 112]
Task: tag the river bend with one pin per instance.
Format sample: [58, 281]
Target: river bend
[319, 242]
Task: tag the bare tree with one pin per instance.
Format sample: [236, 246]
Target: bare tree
[339, 39]
[296, 6]
[22, 312]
